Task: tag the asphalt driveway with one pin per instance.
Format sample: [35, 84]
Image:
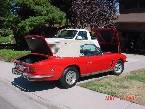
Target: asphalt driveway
[49, 96]
[134, 62]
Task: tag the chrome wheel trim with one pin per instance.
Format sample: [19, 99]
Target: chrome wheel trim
[71, 77]
[118, 68]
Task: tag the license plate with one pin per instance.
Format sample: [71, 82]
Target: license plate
[21, 68]
[16, 72]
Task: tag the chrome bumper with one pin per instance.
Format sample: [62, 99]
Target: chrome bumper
[30, 76]
[16, 72]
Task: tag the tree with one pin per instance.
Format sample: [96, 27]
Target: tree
[4, 8]
[4, 11]
[34, 13]
[64, 5]
[99, 13]
[20, 17]
[31, 14]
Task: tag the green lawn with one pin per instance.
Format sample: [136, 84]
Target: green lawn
[10, 55]
[121, 86]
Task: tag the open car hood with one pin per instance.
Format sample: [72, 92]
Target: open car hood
[37, 44]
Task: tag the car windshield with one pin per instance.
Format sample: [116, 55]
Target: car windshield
[67, 34]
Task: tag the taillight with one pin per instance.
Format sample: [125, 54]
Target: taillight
[16, 65]
[32, 69]
[26, 69]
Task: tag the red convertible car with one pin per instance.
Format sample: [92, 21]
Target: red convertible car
[66, 61]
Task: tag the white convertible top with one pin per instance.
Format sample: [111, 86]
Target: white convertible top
[69, 48]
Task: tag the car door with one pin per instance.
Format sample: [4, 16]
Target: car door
[96, 61]
[100, 63]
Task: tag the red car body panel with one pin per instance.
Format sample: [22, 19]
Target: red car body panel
[53, 67]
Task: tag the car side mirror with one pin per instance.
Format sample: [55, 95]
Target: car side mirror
[79, 38]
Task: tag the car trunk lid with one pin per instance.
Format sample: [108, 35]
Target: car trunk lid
[37, 44]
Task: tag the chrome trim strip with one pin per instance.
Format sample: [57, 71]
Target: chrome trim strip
[94, 73]
[29, 76]
[36, 76]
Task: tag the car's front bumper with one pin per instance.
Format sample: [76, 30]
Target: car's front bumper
[31, 77]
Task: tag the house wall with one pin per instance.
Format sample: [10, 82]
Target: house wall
[129, 6]
[131, 25]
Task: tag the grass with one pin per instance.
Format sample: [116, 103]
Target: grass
[122, 86]
[6, 40]
[9, 55]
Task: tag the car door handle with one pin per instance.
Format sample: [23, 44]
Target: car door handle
[90, 62]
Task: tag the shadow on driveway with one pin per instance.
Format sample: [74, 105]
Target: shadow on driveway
[29, 86]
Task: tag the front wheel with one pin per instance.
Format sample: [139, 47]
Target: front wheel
[119, 67]
[70, 77]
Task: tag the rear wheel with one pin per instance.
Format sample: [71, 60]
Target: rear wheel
[119, 67]
[70, 77]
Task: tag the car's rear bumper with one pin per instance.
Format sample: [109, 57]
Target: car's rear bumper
[31, 77]
[16, 72]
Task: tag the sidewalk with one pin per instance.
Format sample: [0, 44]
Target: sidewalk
[81, 98]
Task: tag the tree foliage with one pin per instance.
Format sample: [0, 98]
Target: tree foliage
[4, 8]
[64, 5]
[4, 11]
[34, 13]
[26, 15]
[20, 17]
[98, 13]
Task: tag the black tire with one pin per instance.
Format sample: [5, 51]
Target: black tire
[69, 78]
[118, 68]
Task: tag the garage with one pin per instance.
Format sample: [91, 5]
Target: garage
[132, 31]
